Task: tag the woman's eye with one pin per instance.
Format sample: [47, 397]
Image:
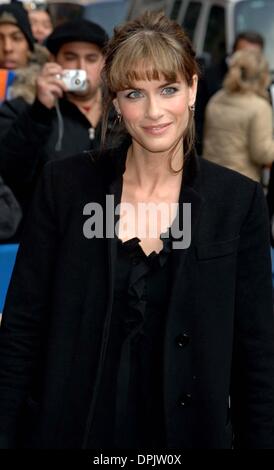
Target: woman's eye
[133, 94]
[169, 90]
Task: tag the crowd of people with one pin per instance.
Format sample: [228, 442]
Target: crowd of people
[124, 327]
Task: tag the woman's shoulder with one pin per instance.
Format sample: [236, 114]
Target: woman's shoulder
[215, 170]
[87, 162]
[260, 103]
[69, 169]
[221, 180]
[219, 96]
[230, 97]
[229, 193]
[84, 169]
[250, 100]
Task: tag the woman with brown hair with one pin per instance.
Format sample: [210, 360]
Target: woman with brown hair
[238, 124]
[140, 312]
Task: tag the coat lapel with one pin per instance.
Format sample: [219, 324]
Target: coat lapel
[190, 194]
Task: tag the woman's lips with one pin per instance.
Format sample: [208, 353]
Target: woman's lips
[156, 129]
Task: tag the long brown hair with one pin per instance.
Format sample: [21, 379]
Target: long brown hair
[148, 47]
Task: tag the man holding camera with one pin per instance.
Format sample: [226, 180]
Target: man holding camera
[75, 45]
[65, 116]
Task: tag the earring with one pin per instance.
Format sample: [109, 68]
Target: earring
[119, 117]
[192, 108]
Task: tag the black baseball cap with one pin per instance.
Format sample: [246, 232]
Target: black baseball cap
[76, 30]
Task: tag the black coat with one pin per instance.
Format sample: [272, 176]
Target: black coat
[10, 212]
[219, 341]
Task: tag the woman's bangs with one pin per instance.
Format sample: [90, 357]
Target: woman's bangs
[148, 62]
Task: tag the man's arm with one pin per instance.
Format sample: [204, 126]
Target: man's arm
[25, 131]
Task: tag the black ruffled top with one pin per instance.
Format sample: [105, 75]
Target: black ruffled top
[130, 411]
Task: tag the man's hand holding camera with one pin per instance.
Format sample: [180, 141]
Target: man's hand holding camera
[53, 81]
[50, 85]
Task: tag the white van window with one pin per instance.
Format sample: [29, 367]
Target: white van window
[175, 9]
[191, 17]
[215, 43]
[107, 13]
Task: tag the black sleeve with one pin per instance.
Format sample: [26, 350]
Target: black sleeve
[252, 394]
[27, 307]
[21, 149]
[9, 111]
[10, 212]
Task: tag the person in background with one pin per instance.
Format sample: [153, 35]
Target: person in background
[16, 39]
[213, 76]
[238, 130]
[246, 40]
[120, 330]
[20, 54]
[59, 122]
[40, 21]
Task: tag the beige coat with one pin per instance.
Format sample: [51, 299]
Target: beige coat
[238, 132]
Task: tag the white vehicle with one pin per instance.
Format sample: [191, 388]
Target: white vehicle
[107, 13]
[213, 24]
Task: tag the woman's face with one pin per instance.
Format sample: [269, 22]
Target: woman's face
[155, 112]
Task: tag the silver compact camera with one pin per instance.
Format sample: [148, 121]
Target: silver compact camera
[75, 79]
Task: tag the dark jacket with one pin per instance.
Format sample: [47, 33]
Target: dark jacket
[10, 213]
[30, 135]
[218, 363]
[270, 202]
[210, 82]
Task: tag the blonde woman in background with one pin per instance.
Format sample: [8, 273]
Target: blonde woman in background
[238, 125]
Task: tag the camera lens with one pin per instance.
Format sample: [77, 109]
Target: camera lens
[77, 81]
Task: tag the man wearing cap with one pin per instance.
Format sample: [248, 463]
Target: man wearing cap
[75, 45]
[18, 53]
[59, 123]
[16, 39]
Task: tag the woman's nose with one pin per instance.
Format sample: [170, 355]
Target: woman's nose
[153, 108]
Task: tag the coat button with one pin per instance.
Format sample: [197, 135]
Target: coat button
[182, 340]
[185, 399]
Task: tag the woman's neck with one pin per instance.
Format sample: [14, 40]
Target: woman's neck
[151, 171]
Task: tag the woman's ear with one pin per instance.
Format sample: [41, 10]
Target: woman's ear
[116, 105]
[193, 90]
